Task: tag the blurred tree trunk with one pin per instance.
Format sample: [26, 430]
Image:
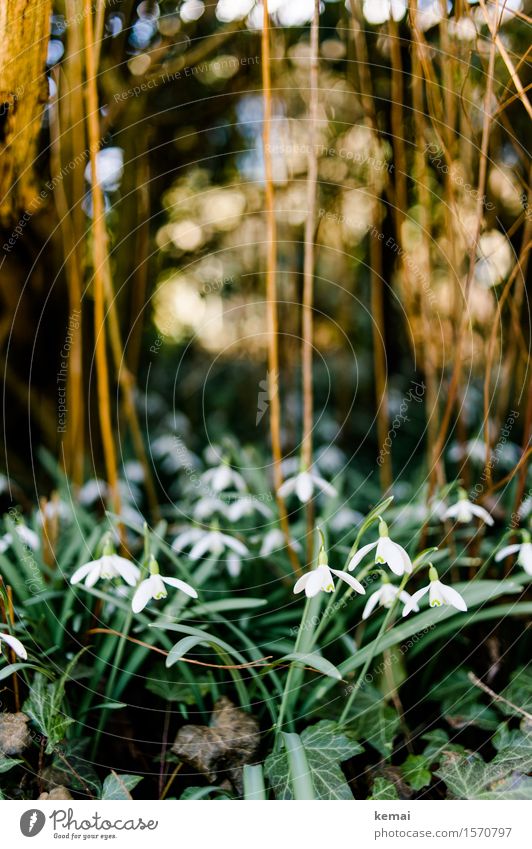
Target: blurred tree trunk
[24, 31]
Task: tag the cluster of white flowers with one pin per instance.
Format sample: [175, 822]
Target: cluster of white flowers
[390, 553]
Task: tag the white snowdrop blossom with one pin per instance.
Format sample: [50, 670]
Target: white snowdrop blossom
[27, 536]
[246, 507]
[385, 597]
[321, 578]
[439, 594]
[304, 484]
[523, 551]
[464, 511]
[213, 542]
[14, 644]
[153, 587]
[107, 567]
[186, 538]
[274, 540]
[387, 551]
[223, 477]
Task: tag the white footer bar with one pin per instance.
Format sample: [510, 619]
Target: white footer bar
[267, 825]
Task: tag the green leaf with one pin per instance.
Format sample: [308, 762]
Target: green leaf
[44, 708]
[325, 748]
[374, 721]
[469, 777]
[203, 793]
[253, 780]
[416, 772]
[519, 692]
[8, 763]
[316, 661]
[117, 787]
[461, 704]
[165, 686]
[384, 790]
[475, 593]
[301, 781]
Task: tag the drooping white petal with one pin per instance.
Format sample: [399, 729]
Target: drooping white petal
[407, 563]
[372, 603]
[483, 514]
[412, 604]
[235, 544]
[451, 512]
[201, 547]
[186, 538]
[353, 583]
[84, 570]
[180, 585]
[525, 557]
[319, 579]
[452, 597]
[142, 596]
[325, 486]
[94, 575]
[508, 549]
[15, 644]
[406, 599]
[355, 560]
[234, 565]
[391, 553]
[301, 582]
[127, 570]
[287, 487]
[304, 487]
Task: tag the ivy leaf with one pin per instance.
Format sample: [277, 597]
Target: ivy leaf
[325, 748]
[8, 763]
[519, 692]
[469, 777]
[416, 772]
[384, 790]
[44, 708]
[117, 787]
[374, 721]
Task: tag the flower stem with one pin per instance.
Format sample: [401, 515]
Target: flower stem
[369, 661]
[301, 645]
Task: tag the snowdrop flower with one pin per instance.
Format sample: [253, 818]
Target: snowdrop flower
[344, 518]
[304, 484]
[223, 477]
[330, 459]
[385, 597]
[386, 552]
[154, 587]
[321, 579]
[205, 508]
[109, 168]
[186, 538]
[464, 510]
[27, 537]
[439, 594]
[274, 540]
[524, 558]
[14, 644]
[108, 566]
[214, 542]
[92, 490]
[246, 507]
